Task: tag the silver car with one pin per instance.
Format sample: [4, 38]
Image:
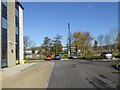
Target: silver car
[107, 55]
[73, 57]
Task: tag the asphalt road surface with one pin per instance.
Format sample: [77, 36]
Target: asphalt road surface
[84, 74]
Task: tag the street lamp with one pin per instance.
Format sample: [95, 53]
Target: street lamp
[69, 39]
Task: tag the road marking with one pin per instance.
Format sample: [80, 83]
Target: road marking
[50, 76]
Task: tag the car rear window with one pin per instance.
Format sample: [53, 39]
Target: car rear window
[48, 56]
[109, 52]
[106, 52]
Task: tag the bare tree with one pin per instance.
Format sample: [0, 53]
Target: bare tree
[87, 43]
[113, 34]
[100, 39]
[118, 41]
[107, 41]
[57, 44]
[28, 43]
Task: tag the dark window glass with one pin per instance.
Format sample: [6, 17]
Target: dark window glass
[4, 48]
[4, 34]
[17, 30]
[4, 2]
[17, 21]
[4, 11]
[16, 6]
[17, 47]
[17, 43]
[16, 12]
[4, 23]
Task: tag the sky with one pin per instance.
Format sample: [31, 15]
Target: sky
[43, 19]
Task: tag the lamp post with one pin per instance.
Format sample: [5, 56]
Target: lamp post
[69, 38]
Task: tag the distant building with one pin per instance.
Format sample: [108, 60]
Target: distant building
[11, 33]
[29, 53]
[36, 51]
[67, 51]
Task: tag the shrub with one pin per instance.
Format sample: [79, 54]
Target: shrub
[64, 56]
[118, 56]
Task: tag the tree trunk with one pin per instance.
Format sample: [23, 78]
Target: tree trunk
[109, 48]
[76, 50]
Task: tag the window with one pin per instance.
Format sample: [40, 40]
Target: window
[4, 48]
[17, 30]
[4, 23]
[16, 12]
[16, 5]
[4, 11]
[17, 43]
[4, 2]
[17, 21]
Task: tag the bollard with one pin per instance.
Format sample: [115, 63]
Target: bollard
[23, 61]
[17, 61]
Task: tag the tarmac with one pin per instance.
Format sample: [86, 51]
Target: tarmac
[14, 77]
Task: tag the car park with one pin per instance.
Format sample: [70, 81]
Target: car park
[107, 55]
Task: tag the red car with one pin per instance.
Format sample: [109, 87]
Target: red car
[48, 58]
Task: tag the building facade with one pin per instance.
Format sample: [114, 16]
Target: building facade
[11, 33]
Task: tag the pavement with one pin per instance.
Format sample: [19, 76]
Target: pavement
[7, 72]
[37, 74]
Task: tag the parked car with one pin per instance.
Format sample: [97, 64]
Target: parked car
[56, 57]
[73, 57]
[48, 58]
[106, 55]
